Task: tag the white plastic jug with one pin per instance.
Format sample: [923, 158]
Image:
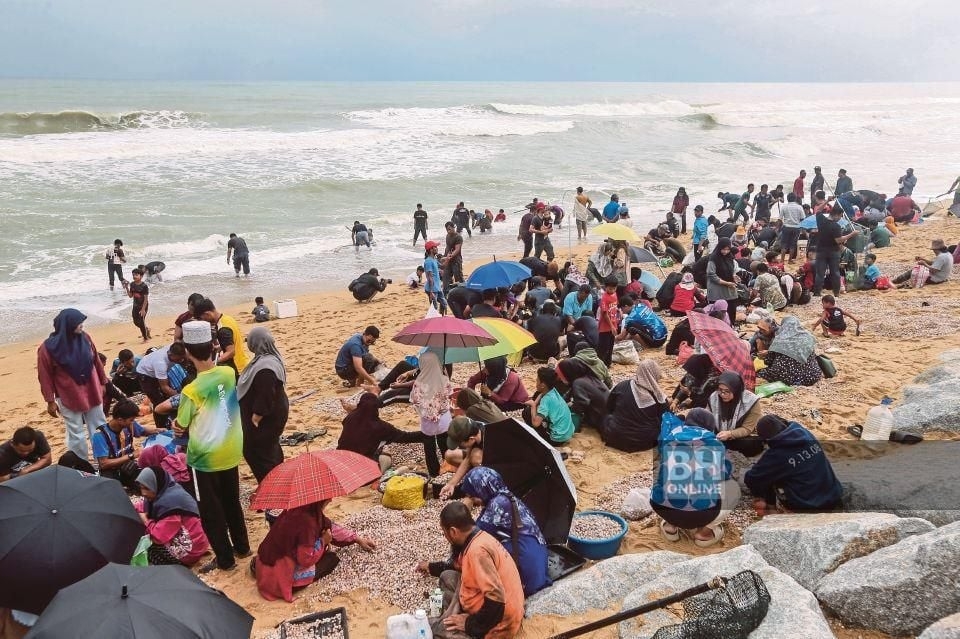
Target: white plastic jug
[407, 626]
[879, 422]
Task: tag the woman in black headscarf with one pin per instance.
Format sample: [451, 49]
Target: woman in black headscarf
[264, 406]
[737, 411]
[694, 389]
[722, 278]
[587, 396]
[365, 433]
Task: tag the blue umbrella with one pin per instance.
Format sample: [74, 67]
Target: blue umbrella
[498, 274]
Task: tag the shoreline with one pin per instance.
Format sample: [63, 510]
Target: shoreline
[901, 338]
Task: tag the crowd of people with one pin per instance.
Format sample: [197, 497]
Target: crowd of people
[218, 396]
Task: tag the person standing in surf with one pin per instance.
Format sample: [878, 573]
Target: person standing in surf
[581, 212]
[115, 261]
[679, 208]
[419, 224]
[816, 184]
[140, 293]
[237, 246]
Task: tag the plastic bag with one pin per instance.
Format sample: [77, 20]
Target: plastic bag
[919, 275]
[884, 283]
[625, 352]
[140, 552]
[636, 505]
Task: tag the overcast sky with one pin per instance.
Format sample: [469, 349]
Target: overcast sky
[619, 40]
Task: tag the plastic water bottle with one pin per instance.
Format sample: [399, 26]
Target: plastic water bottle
[879, 422]
[436, 603]
[422, 625]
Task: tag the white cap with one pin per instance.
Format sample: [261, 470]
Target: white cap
[197, 332]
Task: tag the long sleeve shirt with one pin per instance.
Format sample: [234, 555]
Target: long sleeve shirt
[56, 383]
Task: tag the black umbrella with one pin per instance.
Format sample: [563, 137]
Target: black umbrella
[151, 602]
[57, 526]
[534, 472]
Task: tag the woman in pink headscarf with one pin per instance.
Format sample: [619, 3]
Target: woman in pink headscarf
[173, 463]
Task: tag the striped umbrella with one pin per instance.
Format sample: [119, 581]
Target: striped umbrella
[511, 337]
[314, 477]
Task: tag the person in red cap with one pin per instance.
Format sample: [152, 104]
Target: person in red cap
[431, 269]
[541, 227]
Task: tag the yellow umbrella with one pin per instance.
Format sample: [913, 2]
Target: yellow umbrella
[511, 338]
[614, 231]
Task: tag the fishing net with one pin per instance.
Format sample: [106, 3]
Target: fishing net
[730, 612]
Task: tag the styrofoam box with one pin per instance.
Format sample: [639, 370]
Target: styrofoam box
[284, 308]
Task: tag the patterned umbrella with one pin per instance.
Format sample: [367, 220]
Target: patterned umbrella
[723, 346]
[313, 477]
[444, 332]
[511, 337]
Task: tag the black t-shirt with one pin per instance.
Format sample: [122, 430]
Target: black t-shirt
[541, 224]
[827, 233]
[536, 266]
[420, 217]
[761, 203]
[484, 310]
[547, 329]
[365, 286]
[461, 214]
[525, 222]
[10, 460]
[460, 297]
[239, 246]
[726, 229]
[768, 235]
[589, 327]
[452, 241]
[835, 321]
[140, 290]
[358, 227]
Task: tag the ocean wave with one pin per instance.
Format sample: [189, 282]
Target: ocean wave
[466, 120]
[37, 122]
[704, 120]
[167, 250]
[669, 108]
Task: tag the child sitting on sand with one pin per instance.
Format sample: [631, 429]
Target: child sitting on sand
[415, 279]
[872, 272]
[832, 320]
[260, 312]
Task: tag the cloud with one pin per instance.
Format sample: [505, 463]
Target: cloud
[628, 40]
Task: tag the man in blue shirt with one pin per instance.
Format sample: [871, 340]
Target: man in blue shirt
[575, 303]
[611, 212]
[433, 287]
[354, 361]
[699, 231]
[113, 443]
[641, 323]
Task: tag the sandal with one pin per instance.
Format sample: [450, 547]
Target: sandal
[717, 536]
[856, 430]
[669, 536]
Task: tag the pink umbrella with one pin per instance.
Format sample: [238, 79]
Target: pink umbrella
[313, 477]
[444, 332]
[724, 347]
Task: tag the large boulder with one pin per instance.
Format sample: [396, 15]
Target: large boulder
[807, 547]
[600, 585]
[930, 402]
[792, 608]
[909, 481]
[946, 628]
[900, 589]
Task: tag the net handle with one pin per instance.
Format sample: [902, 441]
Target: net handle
[714, 584]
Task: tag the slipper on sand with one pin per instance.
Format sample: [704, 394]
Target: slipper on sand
[717, 536]
[669, 536]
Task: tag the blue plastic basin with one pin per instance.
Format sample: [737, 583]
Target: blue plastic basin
[598, 548]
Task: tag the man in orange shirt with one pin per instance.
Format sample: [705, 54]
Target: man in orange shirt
[482, 593]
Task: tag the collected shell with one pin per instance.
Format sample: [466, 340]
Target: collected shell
[595, 527]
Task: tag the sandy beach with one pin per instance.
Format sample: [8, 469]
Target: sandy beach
[903, 332]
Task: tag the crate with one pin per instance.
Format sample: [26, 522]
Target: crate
[561, 561]
[332, 624]
[285, 308]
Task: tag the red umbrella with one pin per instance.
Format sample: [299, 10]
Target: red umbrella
[444, 332]
[723, 346]
[313, 477]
